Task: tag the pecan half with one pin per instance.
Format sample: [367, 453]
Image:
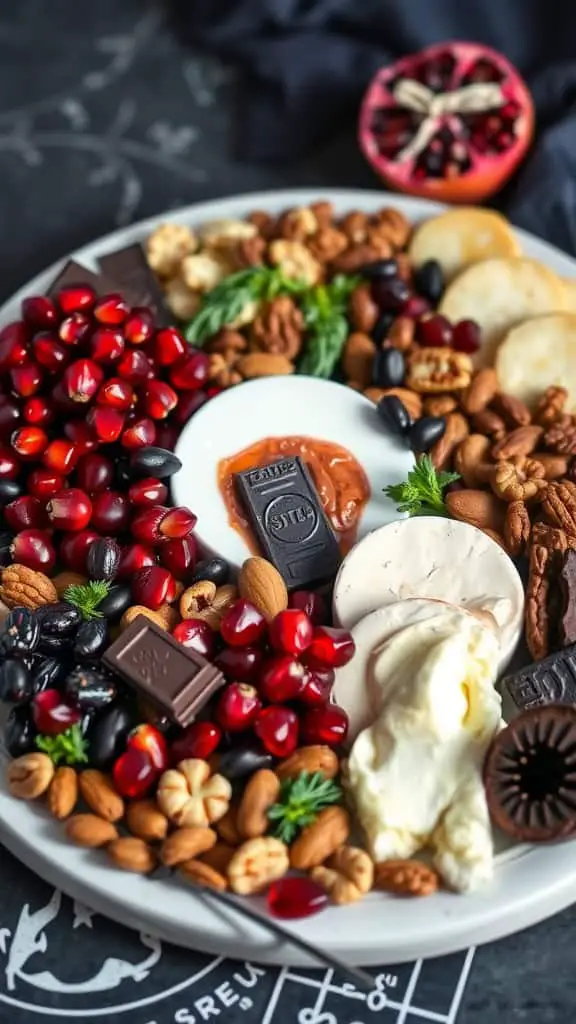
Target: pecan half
[516, 527]
[249, 252]
[514, 410]
[559, 505]
[357, 256]
[433, 370]
[521, 441]
[327, 244]
[278, 328]
[550, 406]
[394, 225]
[228, 343]
[355, 227]
[295, 260]
[561, 436]
[297, 224]
[519, 479]
[406, 878]
[548, 544]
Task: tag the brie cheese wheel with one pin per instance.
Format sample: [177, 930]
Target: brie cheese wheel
[432, 557]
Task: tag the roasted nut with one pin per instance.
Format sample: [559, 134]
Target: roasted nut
[227, 828]
[439, 405]
[249, 252]
[139, 609]
[185, 843]
[260, 792]
[309, 759]
[257, 863]
[203, 271]
[167, 246]
[394, 225]
[132, 855]
[146, 821]
[471, 460]
[295, 260]
[90, 831]
[548, 543]
[229, 343]
[191, 796]
[25, 588]
[169, 615]
[490, 423]
[363, 311]
[260, 583]
[514, 411]
[355, 227]
[456, 430]
[197, 598]
[401, 335]
[406, 878]
[550, 406]
[223, 234]
[180, 299]
[519, 479]
[263, 364]
[218, 857]
[29, 776]
[63, 792]
[278, 328]
[516, 528]
[559, 506]
[481, 391]
[327, 244]
[358, 256]
[199, 873]
[555, 466]
[97, 790]
[561, 436]
[297, 224]
[410, 399]
[479, 508]
[358, 358]
[346, 876]
[320, 840]
[323, 210]
[433, 370]
[519, 442]
[263, 222]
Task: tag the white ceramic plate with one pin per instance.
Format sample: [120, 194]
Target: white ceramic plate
[280, 407]
[530, 883]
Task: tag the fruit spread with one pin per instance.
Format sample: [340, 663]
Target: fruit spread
[339, 478]
[232, 726]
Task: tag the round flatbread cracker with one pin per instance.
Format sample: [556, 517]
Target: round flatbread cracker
[461, 237]
[538, 354]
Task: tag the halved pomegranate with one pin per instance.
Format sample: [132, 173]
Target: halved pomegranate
[451, 122]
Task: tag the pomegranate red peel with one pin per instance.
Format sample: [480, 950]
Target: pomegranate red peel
[451, 122]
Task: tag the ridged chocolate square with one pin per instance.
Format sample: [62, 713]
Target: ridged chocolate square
[550, 681]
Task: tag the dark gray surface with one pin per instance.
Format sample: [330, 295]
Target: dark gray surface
[103, 120]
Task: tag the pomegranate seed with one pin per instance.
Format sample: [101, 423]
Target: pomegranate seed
[415, 307]
[277, 728]
[188, 404]
[9, 416]
[190, 372]
[148, 492]
[9, 464]
[467, 337]
[239, 663]
[39, 311]
[70, 510]
[134, 366]
[179, 556]
[26, 379]
[106, 345]
[313, 604]
[199, 740]
[177, 523]
[139, 434]
[94, 473]
[106, 422]
[327, 725]
[166, 435]
[159, 399]
[38, 412]
[116, 393]
[317, 688]
[25, 512]
[282, 679]
[434, 331]
[51, 715]
[74, 328]
[82, 379]
[238, 707]
[13, 345]
[28, 442]
[330, 648]
[291, 631]
[148, 738]
[81, 435]
[60, 456]
[197, 635]
[34, 549]
[111, 309]
[42, 483]
[291, 898]
[74, 548]
[153, 587]
[134, 774]
[242, 625]
[61, 402]
[75, 298]
[139, 326]
[110, 512]
[134, 558]
[145, 526]
[169, 346]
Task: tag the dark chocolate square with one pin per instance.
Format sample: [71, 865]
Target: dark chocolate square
[137, 283]
[550, 681]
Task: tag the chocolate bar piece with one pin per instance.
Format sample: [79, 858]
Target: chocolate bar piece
[132, 277]
[550, 681]
[178, 680]
[74, 273]
[287, 517]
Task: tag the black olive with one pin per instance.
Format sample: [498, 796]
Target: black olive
[16, 682]
[48, 673]
[379, 268]
[20, 633]
[425, 432]
[214, 569]
[117, 600]
[91, 640]
[394, 414]
[59, 619]
[89, 689]
[381, 327]
[390, 295]
[389, 368]
[103, 559]
[20, 733]
[6, 539]
[429, 281]
[55, 646]
[9, 491]
[156, 462]
[243, 760]
[107, 736]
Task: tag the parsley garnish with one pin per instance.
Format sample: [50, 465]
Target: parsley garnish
[300, 802]
[69, 747]
[87, 596]
[422, 494]
[325, 310]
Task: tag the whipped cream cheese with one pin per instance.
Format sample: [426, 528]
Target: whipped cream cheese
[415, 772]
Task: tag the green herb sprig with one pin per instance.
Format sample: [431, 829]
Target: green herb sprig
[68, 747]
[299, 803]
[325, 310]
[87, 596]
[422, 493]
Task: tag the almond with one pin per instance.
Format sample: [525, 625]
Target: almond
[227, 828]
[186, 843]
[263, 364]
[146, 821]
[471, 460]
[479, 508]
[456, 430]
[63, 793]
[320, 840]
[555, 466]
[309, 759]
[198, 872]
[410, 399]
[260, 792]
[358, 358]
[219, 856]
[260, 583]
[98, 792]
[90, 831]
[132, 855]
[138, 609]
[482, 390]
